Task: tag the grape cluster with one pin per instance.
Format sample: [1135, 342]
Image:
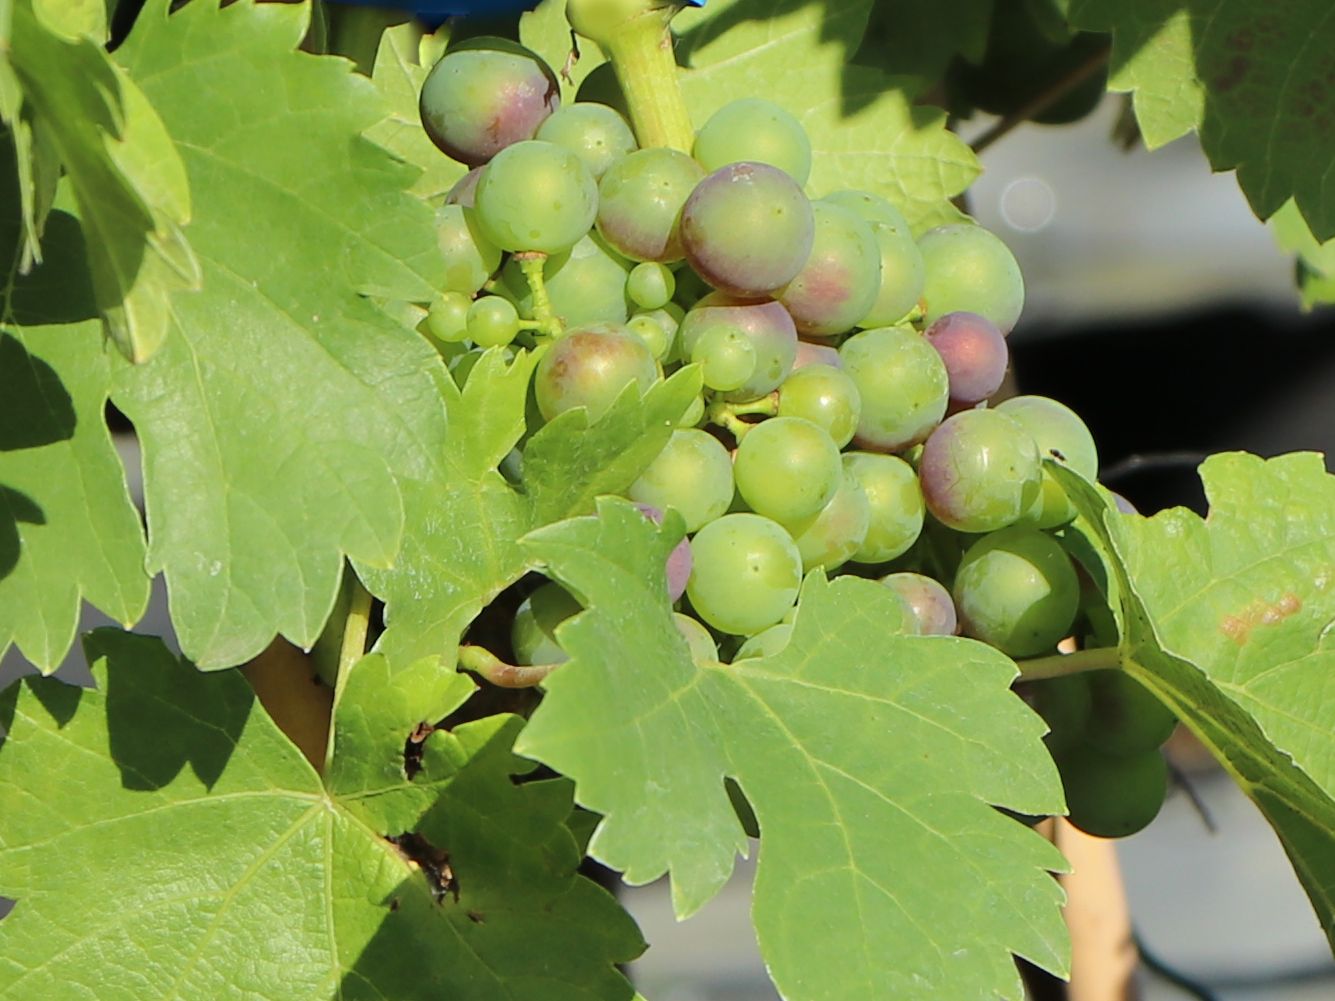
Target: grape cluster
[847, 366]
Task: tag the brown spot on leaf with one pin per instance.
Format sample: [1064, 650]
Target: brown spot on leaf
[1239, 627]
[1232, 75]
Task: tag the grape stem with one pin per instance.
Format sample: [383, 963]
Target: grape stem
[1061, 664]
[355, 627]
[766, 406]
[545, 321]
[722, 415]
[482, 662]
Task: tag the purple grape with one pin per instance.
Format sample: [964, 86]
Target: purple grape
[678, 561]
[590, 367]
[980, 471]
[747, 229]
[975, 354]
[928, 603]
[816, 354]
[639, 203]
[766, 325]
[485, 94]
[839, 282]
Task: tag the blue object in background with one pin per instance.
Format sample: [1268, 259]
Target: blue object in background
[439, 8]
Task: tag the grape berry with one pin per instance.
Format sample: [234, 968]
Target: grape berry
[849, 366]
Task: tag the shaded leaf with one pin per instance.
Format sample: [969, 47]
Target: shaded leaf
[1316, 261]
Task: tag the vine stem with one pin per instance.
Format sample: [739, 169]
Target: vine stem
[355, 627]
[1062, 664]
[1044, 100]
[481, 661]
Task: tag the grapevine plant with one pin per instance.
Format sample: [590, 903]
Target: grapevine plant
[593, 444]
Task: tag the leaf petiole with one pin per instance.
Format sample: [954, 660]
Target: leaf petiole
[482, 662]
[1062, 664]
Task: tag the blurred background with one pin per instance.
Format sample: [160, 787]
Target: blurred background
[1164, 313]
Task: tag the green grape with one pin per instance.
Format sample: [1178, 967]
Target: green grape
[485, 94]
[649, 330]
[747, 229]
[766, 643]
[894, 500]
[470, 258]
[831, 538]
[746, 573]
[536, 196]
[903, 385]
[692, 475]
[787, 469]
[533, 631]
[970, 270]
[1064, 703]
[1125, 717]
[651, 285]
[758, 130]
[585, 285]
[698, 640]
[766, 324]
[838, 284]
[595, 133]
[824, 395]
[931, 612]
[726, 357]
[640, 200]
[447, 317]
[1058, 432]
[902, 271]
[590, 367]
[1017, 591]
[668, 318]
[1112, 796]
[492, 322]
[980, 471]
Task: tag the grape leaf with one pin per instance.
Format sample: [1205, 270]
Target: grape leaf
[305, 399]
[213, 863]
[865, 132]
[918, 40]
[399, 73]
[1256, 80]
[68, 529]
[1316, 261]
[73, 18]
[124, 170]
[1229, 620]
[870, 759]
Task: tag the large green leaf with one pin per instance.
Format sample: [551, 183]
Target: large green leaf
[1255, 79]
[1228, 619]
[68, 529]
[873, 762]
[212, 861]
[284, 407]
[124, 170]
[865, 131]
[918, 40]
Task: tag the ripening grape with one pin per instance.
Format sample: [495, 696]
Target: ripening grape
[447, 317]
[894, 503]
[678, 568]
[970, 270]
[787, 469]
[975, 354]
[640, 200]
[590, 367]
[903, 385]
[533, 631]
[464, 191]
[757, 130]
[492, 322]
[1017, 591]
[766, 324]
[536, 196]
[585, 284]
[726, 357]
[693, 475]
[746, 574]
[840, 279]
[1124, 716]
[831, 537]
[651, 285]
[817, 354]
[824, 395]
[931, 612]
[980, 471]
[902, 271]
[747, 229]
[1064, 704]
[1112, 796]
[485, 94]
[1058, 432]
[470, 258]
[698, 640]
[765, 644]
[593, 132]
